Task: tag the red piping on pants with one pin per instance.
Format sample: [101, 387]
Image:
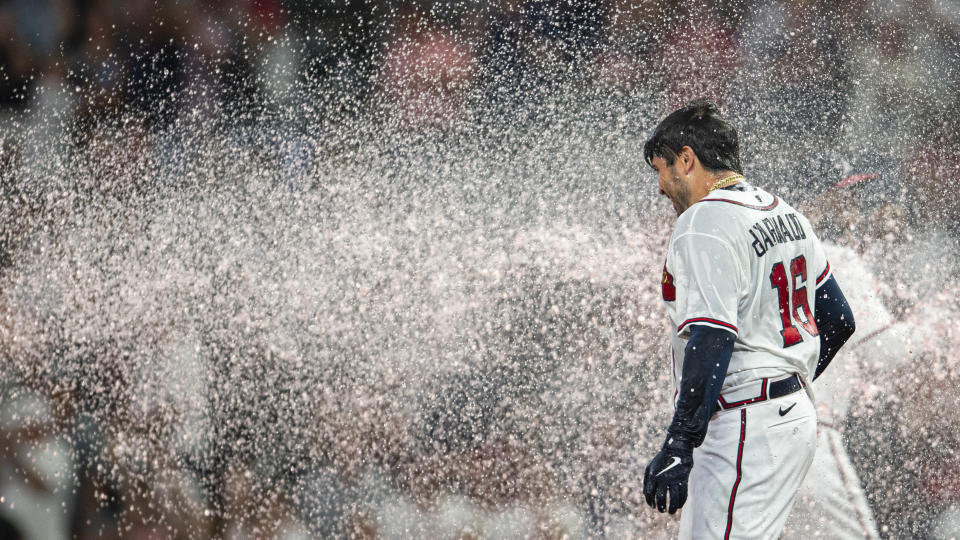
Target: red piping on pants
[733, 493]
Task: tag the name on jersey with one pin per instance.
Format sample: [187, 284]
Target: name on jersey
[770, 231]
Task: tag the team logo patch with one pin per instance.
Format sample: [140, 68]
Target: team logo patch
[666, 284]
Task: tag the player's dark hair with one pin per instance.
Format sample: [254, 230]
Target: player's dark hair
[698, 125]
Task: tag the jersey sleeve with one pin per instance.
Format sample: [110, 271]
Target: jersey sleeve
[709, 277]
[819, 263]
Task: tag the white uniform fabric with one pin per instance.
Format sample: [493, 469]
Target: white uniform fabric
[747, 471]
[731, 257]
[748, 262]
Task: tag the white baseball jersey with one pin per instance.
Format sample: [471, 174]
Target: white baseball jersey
[747, 262]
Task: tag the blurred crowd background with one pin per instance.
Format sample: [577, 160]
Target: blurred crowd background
[872, 81]
[869, 74]
[821, 91]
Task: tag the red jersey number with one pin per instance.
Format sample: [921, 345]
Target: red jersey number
[793, 307]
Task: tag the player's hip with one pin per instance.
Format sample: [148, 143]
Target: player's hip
[749, 467]
[752, 391]
[769, 415]
[778, 418]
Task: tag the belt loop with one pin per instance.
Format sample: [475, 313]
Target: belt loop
[783, 386]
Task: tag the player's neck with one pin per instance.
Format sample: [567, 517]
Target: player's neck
[703, 182]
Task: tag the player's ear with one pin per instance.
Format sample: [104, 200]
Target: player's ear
[687, 159]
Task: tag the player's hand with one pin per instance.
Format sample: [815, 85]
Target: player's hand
[667, 473]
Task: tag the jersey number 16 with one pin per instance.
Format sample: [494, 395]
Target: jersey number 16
[793, 307]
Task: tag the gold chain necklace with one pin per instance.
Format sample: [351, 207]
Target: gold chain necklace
[728, 181]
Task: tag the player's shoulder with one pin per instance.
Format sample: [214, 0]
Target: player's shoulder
[719, 212]
[706, 224]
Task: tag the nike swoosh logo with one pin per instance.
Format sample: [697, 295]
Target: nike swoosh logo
[783, 412]
[676, 461]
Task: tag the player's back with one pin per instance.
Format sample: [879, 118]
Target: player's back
[763, 253]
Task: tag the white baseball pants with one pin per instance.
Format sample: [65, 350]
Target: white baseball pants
[747, 472]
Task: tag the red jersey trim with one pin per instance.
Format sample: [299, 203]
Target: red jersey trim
[708, 321]
[770, 206]
[824, 274]
[762, 397]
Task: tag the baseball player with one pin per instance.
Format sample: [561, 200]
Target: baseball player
[757, 316]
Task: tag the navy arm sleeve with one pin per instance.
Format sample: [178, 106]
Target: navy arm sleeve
[705, 362]
[834, 322]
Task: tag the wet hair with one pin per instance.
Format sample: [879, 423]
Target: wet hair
[698, 125]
